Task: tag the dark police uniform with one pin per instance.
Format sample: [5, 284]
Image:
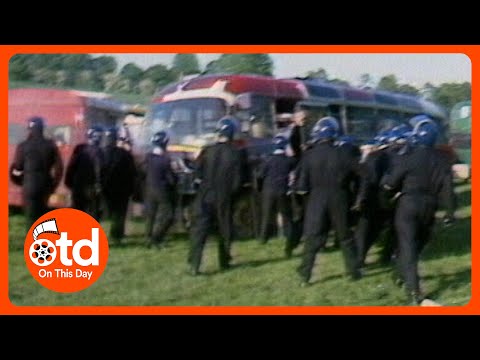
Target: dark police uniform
[38, 168]
[375, 210]
[424, 177]
[326, 172]
[159, 196]
[274, 174]
[219, 172]
[118, 179]
[83, 178]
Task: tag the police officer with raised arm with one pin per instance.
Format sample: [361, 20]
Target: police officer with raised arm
[424, 180]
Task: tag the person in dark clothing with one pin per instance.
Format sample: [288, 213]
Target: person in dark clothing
[38, 168]
[118, 179]
[219, 175]
[160, 182]
[274, 174]
[424, 180]
[299, 143]
[83, 174]
[375, 208]
[326, 171]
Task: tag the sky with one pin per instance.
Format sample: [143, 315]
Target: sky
[414, 69]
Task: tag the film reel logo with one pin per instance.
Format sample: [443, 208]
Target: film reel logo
[66, 250]
[43, 252]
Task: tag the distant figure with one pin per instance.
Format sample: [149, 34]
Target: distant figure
[83, 175]
[118, 180]
[38, 168]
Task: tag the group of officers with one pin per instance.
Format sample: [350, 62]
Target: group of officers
[327, 184]
[320, 183]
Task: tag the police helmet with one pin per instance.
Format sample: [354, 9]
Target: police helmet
[36, 122]
[280, 143]
[94, 135]
[160, 138]
[425, 132]
[346, 140]
[399, 134]
[418, 118]
[325, 128]
[226, 127]
[111, 135]
[382, 137]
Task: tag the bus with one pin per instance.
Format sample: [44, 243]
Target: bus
[68, 114]
[189, 110]
[461, 134]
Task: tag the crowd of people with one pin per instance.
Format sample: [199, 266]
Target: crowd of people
[319, 182]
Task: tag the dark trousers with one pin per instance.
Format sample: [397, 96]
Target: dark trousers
[89, 200]
[211, 214]
[414, 220]
[117, 208]
[322, 211]
[35, 205]
[159, 208]
[371, 222]
[273, 203]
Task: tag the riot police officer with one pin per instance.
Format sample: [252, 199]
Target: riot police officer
[274, 174]
[424, 180]
[219, 178]
[84, 172]
[160, 182]
[375, 207]
[38, 168]
[118, 179]
[326, 172]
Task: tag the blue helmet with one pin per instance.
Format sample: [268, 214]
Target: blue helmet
[418, 118]
[280, 143]
[111, 135]
[226, 127]
[160, 138]
[94, 135]
[425, 133]
[36, 122]
[325, 128]
[346, 140]
[382, 137]
[399, 134]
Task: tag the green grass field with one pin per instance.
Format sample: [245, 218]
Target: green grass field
[137, 276]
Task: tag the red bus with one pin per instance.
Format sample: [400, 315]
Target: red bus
[190, 109]
[68, 114]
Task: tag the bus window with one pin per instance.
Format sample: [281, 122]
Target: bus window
[386, 123]
[361, 123]
[62, 135]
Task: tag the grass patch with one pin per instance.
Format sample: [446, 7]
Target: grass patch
[137, 276]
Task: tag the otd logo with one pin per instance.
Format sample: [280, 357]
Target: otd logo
[66, 250]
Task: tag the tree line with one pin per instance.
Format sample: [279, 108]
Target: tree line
[102, 73]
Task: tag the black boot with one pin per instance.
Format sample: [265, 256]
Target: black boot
[351, 259]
